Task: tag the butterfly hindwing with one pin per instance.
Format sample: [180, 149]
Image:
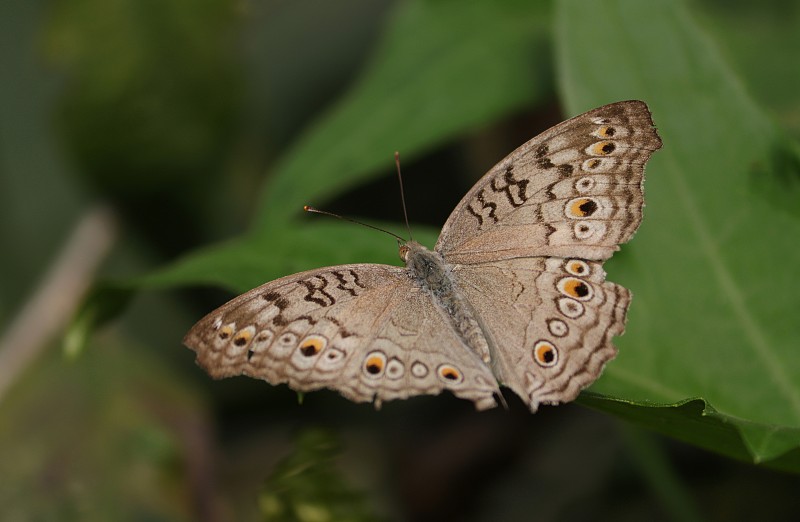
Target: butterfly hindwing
[549, 320]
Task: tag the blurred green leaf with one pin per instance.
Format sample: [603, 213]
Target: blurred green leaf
[713, 266]
[306, 486]
[250, 261]
[108, 437]
[443, 68]
[761, 40]
[463, 67]
[105, 301]
[440, 73]
[696, 422]
[151, 88]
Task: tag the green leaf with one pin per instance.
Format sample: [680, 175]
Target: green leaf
[250, 261]
[442, 69]
[104, 302]
[696, 422]
[760, 40]
[307, 485]
[713, 267]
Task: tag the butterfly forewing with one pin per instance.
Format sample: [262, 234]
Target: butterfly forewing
[573, 191]
[364, 330]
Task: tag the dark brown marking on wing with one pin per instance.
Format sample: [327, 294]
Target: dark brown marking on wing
[316, 292]
[565, 170]
[507, 183]
[488, 204]
[276, 299]
[545, 163]
[549, 192]
[477, 216]
[281, 304]
[344, 284]
[343, 332]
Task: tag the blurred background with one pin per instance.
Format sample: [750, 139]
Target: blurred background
[134, 132]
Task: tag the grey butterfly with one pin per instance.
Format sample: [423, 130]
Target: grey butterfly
[513, 294]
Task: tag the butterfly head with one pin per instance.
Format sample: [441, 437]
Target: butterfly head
[404, 251]
[408, 249]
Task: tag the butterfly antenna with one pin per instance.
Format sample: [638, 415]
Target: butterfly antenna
[402, 193]
[337, 216]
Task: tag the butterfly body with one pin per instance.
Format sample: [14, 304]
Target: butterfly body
[513, 293]
[429, 270]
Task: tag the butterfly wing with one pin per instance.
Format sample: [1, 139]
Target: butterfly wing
[573, 191]
[527, 241]
[550, 319]
[365, 330]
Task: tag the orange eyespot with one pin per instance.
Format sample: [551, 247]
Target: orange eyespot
[574, 287]
[582, 207]
[576, 267]
[602, 148]
[375, 364]
[606, 131]
[243, 337]
[312, 345]
[545, 354]
[226, 331]
[450, 373]
[593, 163]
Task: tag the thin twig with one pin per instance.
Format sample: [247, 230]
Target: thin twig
[57, 296]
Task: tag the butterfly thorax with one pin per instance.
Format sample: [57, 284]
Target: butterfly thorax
[431, 273]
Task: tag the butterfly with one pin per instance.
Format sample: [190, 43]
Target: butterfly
[513, 294]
